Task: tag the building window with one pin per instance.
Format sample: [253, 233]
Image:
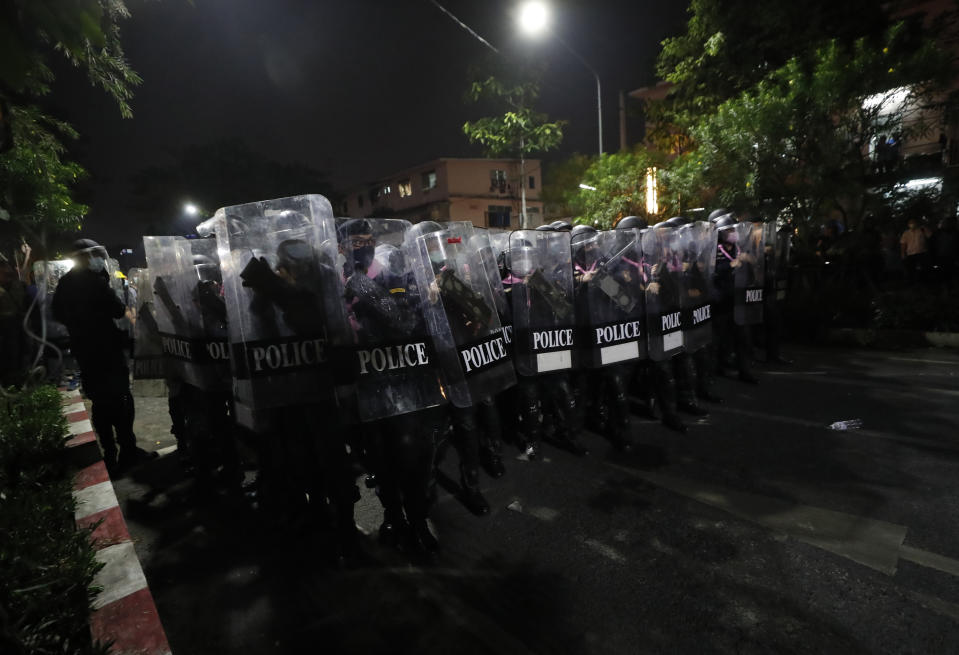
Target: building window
[532, 182]
[429, 180]
[497, 180]
[498, 216]
[405, 188]
[386, 190]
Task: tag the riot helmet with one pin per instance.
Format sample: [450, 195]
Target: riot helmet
[294, 259]
[545, 228]
[357, 244]
[581, 233]
[87, 253]
[206, 268]
[716, 214]
[678, 221]
[632, 222]
[522, 261]
[561, 226]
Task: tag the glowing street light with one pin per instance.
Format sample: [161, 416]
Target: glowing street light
[190, 209]
[534, 19]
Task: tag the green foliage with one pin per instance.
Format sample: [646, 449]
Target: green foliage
[46, 565]
[917, 308]
[519, 131]
[561, 180]
[775, 106]
[619, 180]
[35, 179]
[85, 32]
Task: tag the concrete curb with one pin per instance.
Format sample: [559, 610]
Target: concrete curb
[124, 612]
[892, 338]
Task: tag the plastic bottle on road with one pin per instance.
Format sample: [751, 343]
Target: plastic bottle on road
[851, 424]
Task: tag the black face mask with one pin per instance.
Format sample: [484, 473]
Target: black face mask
[363, 257]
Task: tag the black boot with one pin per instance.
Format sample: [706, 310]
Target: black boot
[690, 407]
[492, 462]
[673, 422]
[471, 495]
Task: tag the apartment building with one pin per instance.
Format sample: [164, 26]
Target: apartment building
[486, 192]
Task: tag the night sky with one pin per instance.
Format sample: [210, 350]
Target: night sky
[357, 88]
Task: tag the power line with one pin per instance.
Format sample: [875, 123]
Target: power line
[464, 26]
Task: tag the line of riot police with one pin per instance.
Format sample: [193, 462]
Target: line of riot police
[344, 347]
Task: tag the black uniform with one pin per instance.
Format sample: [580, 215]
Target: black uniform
[86, 304]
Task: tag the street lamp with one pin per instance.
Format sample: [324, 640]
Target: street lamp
[533, 17]
[533, 20]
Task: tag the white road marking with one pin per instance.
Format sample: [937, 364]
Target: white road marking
[93, 499]
[546, 514]
[79, 427]
[924, 361]
[606, 551]
[869, 542]
[930, 560]
[121, 574]
[75, 407]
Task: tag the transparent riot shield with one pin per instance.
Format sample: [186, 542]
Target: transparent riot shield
[284, 304]
[491, 246]
[47, 275]
[609, 288]
[662, 252]
[698, 247]
[777, 247]
[148, 361]
[199, 290]
[480, 242]
[179, 349]
[749, 276]
[394, 364]
[460, 311]
[540, 275]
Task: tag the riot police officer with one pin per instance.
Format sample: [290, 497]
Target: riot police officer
[87, 306]
[398, 392]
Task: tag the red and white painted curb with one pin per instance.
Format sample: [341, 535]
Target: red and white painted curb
[124, 612]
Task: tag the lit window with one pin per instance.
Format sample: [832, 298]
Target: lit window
[405, 187]
[386, 190]
[429, 180]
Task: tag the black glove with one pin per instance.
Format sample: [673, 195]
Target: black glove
[258, 275]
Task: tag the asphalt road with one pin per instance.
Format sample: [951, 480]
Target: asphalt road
[759, 531]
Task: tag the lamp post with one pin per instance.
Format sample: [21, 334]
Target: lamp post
[534, 19]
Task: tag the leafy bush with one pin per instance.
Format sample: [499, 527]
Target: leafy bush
[917, 308]
[46, 564]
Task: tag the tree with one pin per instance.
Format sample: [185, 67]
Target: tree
[613, 186]
[561, 182]
[520, 131]
[36, 180]
[788, 119]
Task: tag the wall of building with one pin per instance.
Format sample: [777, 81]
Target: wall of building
[465, 191]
